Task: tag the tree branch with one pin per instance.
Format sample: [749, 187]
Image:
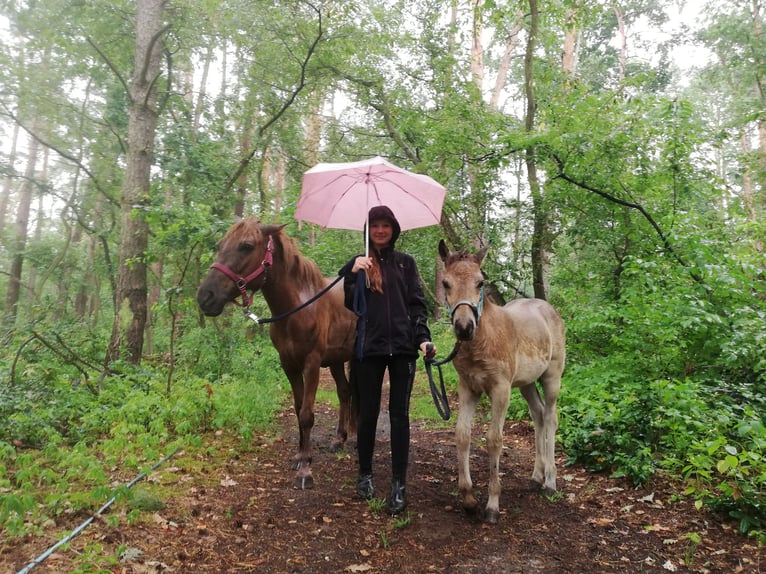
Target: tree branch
[112, 67]
[637, 206]
[245, 162]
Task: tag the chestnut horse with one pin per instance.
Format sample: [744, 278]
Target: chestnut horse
[253, 257]
[501, 348]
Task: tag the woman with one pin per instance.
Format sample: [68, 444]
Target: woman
[390, 331]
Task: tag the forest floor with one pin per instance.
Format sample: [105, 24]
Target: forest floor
[241, 513]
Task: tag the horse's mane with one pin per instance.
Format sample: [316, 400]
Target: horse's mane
[301, 268]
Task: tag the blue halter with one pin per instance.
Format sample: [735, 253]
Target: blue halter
[475, 307]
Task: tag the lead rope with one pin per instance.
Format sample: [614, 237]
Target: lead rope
[260, 321]
[441, 401]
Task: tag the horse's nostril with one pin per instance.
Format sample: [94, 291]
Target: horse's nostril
[464, 330]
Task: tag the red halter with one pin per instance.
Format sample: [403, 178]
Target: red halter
[242, 282]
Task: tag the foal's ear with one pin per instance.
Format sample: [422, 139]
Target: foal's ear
[443, 250]
[481, 254]
[272, 229]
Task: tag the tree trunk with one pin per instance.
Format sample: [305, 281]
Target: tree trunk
[5, 197]
[568, 59]
[130, 304]
[539, 232]
[505, 61]
[20, 243]
[623, 41]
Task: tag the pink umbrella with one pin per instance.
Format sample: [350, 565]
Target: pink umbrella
[339, 195]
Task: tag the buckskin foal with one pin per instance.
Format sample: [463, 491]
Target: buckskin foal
[501, 348]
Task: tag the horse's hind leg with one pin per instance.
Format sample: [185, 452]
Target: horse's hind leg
[346, 419]
[545, 420]
[467, 409]
[499, 397]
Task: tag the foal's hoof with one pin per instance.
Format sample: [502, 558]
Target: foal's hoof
[472, 510]
[304, 482]
[491, 516]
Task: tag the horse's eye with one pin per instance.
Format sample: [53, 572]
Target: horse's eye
[446, 285]
[245, 247]
[480, 284]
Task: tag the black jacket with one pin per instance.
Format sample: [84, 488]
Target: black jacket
[395, 322]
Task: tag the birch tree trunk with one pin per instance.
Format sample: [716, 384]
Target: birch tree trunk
[131, 297]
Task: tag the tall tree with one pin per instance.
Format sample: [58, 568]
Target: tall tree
[22, 229]
[131, 297]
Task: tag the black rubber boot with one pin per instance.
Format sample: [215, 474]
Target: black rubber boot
[365, 487]
[397, 502]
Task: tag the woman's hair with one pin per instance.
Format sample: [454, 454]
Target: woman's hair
[375, 276]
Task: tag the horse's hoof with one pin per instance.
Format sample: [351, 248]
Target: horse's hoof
[471, 509]
[304, 482]
[337, 446]
[491, 516]
[534, 485]
[548, 491]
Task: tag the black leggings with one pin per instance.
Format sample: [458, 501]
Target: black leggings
[367, 378]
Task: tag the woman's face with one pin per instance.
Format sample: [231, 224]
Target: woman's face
[381, 232]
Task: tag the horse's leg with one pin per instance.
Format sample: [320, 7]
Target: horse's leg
[295, 377]
[346, 423]
[467, 400]
[303, 476]
[500, 397]
[551, 382]
[544, 472]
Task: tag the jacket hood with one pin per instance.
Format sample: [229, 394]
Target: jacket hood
[384, 212]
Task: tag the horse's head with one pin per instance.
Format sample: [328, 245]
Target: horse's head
[463, 288]
[244, 255]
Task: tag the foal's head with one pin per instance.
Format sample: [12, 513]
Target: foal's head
[463, 288]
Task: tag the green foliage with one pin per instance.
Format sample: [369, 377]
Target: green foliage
[71, 444]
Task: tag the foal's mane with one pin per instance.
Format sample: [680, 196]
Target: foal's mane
[456, 256]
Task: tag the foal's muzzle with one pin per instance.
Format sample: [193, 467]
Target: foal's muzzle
[464, 324]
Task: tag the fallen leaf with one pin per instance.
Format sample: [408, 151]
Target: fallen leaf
[358, 567]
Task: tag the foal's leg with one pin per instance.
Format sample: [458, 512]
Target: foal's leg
[468, 401]
[545, 418]
[346, 422]
[535, 403]
[500, 397]
[551, 383]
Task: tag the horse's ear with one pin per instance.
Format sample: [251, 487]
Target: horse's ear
[481, 254]
[272, 229]
[443, 250]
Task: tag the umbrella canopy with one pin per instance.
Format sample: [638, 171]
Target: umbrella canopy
[339, 195]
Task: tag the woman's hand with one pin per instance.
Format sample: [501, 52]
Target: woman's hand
[361, 263]
[428, 349]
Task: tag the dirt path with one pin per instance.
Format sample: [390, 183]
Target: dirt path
[245, 516]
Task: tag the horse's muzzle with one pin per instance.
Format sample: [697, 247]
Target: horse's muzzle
[465, 329]
[208, 303]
